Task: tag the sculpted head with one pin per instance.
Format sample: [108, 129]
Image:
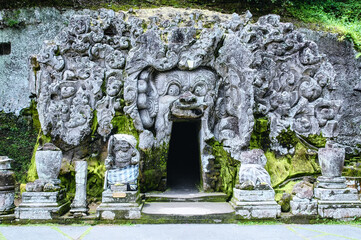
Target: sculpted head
[122, 151]
[187, 93]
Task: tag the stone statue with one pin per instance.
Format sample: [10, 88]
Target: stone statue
[122, 162]
[252, 174]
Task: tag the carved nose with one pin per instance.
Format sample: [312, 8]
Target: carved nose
[188, 98]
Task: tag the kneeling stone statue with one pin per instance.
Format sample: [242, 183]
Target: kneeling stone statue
[120, 198]
[254, 197]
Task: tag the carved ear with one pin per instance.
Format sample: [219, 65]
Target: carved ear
[110, 144]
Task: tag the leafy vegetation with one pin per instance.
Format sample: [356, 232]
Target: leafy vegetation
[17, 141]
[340, 16]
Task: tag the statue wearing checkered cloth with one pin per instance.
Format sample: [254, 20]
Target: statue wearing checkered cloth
[252, 174]
[122, 162]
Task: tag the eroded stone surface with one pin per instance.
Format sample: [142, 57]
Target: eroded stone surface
[267, 66]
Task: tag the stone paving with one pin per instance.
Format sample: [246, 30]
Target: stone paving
[182, 231]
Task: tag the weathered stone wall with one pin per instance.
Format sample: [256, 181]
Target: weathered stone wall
[34, 26]
[341, 55]
[25, 30]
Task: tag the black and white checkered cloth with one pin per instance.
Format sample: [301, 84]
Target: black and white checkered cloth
[128, 174]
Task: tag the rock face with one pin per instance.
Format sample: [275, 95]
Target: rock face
[341, 55]
[190, 66]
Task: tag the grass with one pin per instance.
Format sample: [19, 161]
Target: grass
[341, 17]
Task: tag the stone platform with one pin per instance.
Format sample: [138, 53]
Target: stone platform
[119, 205]
[335, 200]
[188, 210]
[255, 204]
[185, 196]
[42, 205]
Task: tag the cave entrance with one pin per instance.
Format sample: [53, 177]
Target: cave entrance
[183, 167]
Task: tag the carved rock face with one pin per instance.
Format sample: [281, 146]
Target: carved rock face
[185, 93]
[180, 68]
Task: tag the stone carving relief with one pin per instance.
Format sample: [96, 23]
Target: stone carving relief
[219, 69]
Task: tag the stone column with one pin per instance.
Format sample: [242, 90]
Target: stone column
[79, 206]
[7, 188]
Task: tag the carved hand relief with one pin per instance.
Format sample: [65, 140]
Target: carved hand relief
[164, 70]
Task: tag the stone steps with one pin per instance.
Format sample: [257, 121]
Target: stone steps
[216, 211]
[185, 196]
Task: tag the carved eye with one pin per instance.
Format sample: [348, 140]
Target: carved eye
[173, 90]
[200, 90]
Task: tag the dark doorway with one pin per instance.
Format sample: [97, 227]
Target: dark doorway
[183, 167]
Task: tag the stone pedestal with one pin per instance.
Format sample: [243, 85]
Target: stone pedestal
[42, 205]
[335, 200]
[255, 204]
[79, 206]
[119, 205]
[303, 206]
[7, 188]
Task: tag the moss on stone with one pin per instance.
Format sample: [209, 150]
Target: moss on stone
[301, 163]
[228, 168]
[352, 171]
[287, 139]
[17, 140]
[68, 181]
[124, 124]
[94, 124]
[95, 184]
[153, 169]
[284, 189]
[32, 175]
[316, 140]
[260, 134]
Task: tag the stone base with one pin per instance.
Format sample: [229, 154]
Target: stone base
[346, 194]
[79, 211]
[41, 211]
[7, 217]
[120, 197]
[119, 205]
[253, 195]
[7, 202]
[256, 210]
[111, 211]
[339, 209]
[42, 205]
[331, 183]
[255, 204]
[301, 206]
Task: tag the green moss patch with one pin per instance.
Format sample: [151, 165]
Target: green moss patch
[95, 184]
[124, 124]
[260, 134]
[17, 140]
[285, 189]
[153, 169]
[301, 163]
[226, 166]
